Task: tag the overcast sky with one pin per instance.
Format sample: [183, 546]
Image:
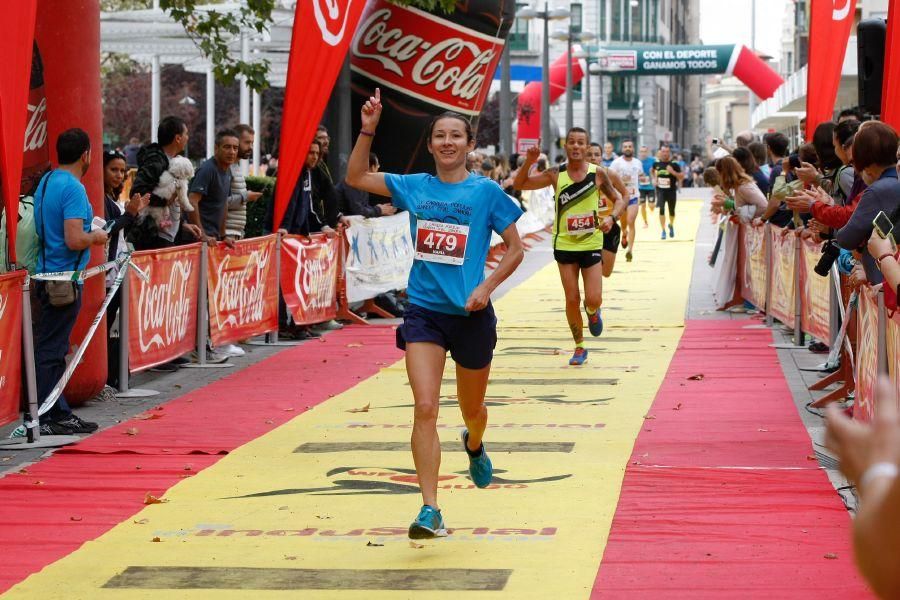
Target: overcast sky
[728, 22]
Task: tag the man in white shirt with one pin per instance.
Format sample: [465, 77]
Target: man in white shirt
[629, 169]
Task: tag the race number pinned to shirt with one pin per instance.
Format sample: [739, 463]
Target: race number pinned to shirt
[441, 242]
[581, 224]
[663, 183]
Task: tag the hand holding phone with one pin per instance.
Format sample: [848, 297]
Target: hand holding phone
[883, 225]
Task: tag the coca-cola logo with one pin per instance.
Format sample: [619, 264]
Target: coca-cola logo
[36, 130]
[839, 13]
[164, 308]
[239, 293]
[426, 57]
[332, 19]
[4, 302]
[314, 280]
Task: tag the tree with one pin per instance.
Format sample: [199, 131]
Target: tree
[488, 133]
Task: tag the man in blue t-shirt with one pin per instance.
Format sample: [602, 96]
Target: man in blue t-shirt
[62, 218]
[648, 192]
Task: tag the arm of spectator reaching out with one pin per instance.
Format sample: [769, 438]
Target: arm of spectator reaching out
[870, 455]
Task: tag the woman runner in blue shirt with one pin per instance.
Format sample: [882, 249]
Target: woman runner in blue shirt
[452, 216]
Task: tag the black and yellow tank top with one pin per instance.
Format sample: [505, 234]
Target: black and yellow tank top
[579, 208]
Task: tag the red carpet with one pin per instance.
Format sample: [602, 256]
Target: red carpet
[720, 499]
[53, 507]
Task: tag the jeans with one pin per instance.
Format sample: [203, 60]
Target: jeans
[51, 344]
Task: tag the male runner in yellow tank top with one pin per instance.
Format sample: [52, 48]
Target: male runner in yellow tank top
[587, 207]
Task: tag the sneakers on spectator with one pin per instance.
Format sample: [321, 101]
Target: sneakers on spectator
[181, 360]
[76, 424]
[164, 368]
[819, 348]
[54, 428]
[212, 357]
[231, 350]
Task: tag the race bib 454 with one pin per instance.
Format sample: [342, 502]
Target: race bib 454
[441, 242]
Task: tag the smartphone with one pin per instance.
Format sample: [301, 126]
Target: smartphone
[715, 141]
[98, 223]
[883, 225]
[794, 161]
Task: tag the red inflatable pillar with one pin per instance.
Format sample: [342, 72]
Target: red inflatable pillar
[529, 103]
[67, 33]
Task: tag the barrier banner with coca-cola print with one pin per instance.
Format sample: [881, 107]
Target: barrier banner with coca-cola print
[783, 265]
[309, 272]
[10, 345]
[243, 290]
[163, 311]
[866, 354]
[815, 293]
[892, 337]
[425, 63]
[753, 272]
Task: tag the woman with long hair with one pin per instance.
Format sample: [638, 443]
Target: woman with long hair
[749, 201]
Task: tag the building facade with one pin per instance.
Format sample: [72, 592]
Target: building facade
[648, 109]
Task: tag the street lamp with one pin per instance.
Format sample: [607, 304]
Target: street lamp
[599, 70]
[569, 37]
[546, 16]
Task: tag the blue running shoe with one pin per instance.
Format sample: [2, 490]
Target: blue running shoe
[671, 232]
[595, 323]
[662, 236]
[429, 524]
[579, 357]
[480, 468]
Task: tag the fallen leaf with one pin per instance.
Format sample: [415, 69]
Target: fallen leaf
[376, 545]
[74, 518]
[290, 558]
[23, 471]
[8, 458]
[697, 377]
[156, 539]
[131, 431]
[148, 417]
[289, 409]
[763, 430]
[283, 508]
[359, 410]
[677, 406]
[141, 521]
[811, 457]
[151, 499]
[831, 556]
[322, 517]
[269, 421]
[355, 345]
[649, 416]
[188, 467]
[138, 467]
[177, 385]
[38, 483]
[412, 544]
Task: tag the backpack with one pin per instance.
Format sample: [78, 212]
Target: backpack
[28, 244]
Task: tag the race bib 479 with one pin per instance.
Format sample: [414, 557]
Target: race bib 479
[441, 242]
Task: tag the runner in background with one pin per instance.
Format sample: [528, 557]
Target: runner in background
[595, 154]
[648, 194]
[611, 238]
[583, 228]
[452, 215]
[666, 175]
[630, 170]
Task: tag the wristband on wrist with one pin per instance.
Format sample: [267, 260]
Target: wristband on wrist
[880, 470]
[366, 133]
[884, 256]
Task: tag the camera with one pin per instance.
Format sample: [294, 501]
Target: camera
[830, 253]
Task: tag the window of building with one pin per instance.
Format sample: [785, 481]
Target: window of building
[518, 35]
[575, 14]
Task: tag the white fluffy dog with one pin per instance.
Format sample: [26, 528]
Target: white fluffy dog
[176, 179]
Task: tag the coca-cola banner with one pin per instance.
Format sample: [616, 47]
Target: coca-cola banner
[783, 263]
[163, 310]
[243, 290]
[10, 345]
[319, 40]
[815, 293]
[425, 64]
[866, 354]
[380, 256]
[309, 271]
[15, 48]
[753, 271]
[892, 339]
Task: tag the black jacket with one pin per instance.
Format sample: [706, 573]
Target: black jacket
[355, 202]
[152, 163]
[123, 220]
[297, 220]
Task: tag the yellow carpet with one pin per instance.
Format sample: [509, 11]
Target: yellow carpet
[319, 507]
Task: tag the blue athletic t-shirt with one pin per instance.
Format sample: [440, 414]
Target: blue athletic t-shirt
[443, 211]
[65, 198]
[647, 164]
